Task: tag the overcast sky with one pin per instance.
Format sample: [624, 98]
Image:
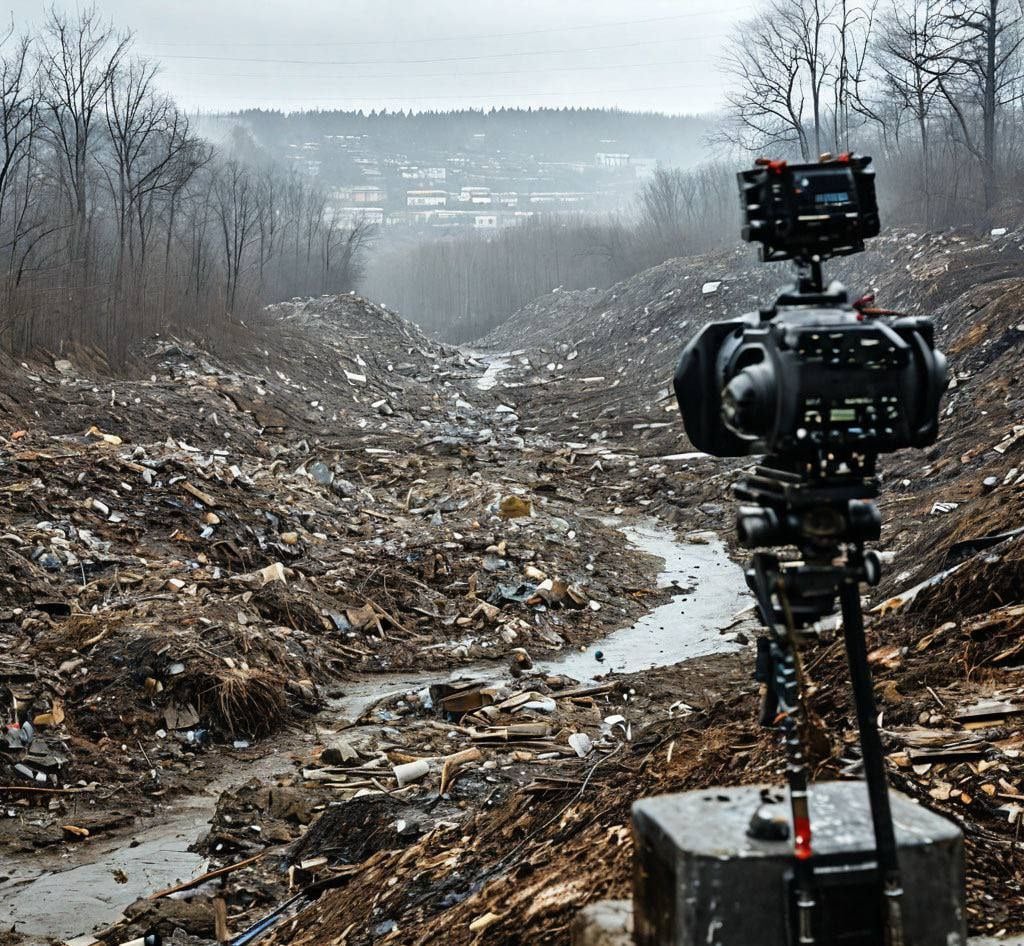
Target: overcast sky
[420, 54]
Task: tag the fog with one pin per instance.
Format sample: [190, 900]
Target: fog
[231, 54]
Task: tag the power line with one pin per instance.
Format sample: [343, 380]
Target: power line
[414, 98]
[455, 75]
[397, 62]
[445, 39]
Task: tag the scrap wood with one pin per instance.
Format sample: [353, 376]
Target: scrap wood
[203, 878]
[551, 783]
[453, 763]
[582, 691]
[205, 498]
[988, 710]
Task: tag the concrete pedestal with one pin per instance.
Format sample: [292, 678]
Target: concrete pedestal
[610, 923]
[700, 881]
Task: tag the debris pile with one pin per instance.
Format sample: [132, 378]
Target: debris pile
[219, 551]
[202, 555]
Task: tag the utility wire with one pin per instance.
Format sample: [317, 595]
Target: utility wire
[396, 62]
[456, 96]
[455, 75]
[473, 36]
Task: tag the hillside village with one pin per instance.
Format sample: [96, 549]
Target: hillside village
[487, 180]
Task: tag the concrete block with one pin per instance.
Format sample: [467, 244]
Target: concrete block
[610, 923]
[700, 881]
[605, 923]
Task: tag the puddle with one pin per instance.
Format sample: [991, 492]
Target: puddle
[687, 626]
[66, 901]
[62, 894]
[681, 629]
[496, 364]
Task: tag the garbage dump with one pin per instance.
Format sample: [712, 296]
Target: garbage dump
[323, 577]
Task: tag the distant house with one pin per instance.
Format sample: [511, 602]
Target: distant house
[426, 198]
[350, 216]
[559, 198]
[606, 159]
[485, 221]
[368, 194]
[475, 195]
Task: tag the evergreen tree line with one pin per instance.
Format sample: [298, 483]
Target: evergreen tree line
[548, 134]
[117, 219]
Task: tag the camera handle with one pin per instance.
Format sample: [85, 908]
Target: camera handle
[784, 708]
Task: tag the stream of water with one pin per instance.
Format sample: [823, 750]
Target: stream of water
[62, 895]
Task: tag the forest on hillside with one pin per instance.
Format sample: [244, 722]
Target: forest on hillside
[552, 134]
[119, 216]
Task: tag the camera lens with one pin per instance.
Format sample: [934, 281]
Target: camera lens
[748, 401]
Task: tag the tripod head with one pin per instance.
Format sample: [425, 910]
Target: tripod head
[827, 517]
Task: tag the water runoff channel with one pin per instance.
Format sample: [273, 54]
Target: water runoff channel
[49, 896]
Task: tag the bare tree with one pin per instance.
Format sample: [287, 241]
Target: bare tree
[79, 58]
[19, 125]
[235, 206]
[794, 68]
[906, 62]
[981, 74]
[341, 255]
[664, 203]
[767, 106]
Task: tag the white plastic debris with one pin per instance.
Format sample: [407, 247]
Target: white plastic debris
[581, 743]
[410, 772]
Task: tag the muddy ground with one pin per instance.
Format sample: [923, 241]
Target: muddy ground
[208, 560]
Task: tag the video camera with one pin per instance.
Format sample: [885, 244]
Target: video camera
[812, 375]
[821, 387]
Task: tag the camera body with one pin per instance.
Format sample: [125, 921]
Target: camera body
[807, 381]
[812, 377]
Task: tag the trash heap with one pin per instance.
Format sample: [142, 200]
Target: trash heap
[184, 546]
[201, 554]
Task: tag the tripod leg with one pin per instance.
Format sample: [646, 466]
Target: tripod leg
[787, 687]
[874, 761]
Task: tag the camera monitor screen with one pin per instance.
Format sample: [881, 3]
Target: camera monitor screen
[804, 210]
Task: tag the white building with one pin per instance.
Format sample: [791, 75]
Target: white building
[429, 198]
[475, 195]
[350, 216]
[608, 159]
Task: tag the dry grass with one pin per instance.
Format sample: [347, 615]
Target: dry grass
[242, 702]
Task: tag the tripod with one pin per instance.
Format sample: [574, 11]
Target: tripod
[826, 509]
